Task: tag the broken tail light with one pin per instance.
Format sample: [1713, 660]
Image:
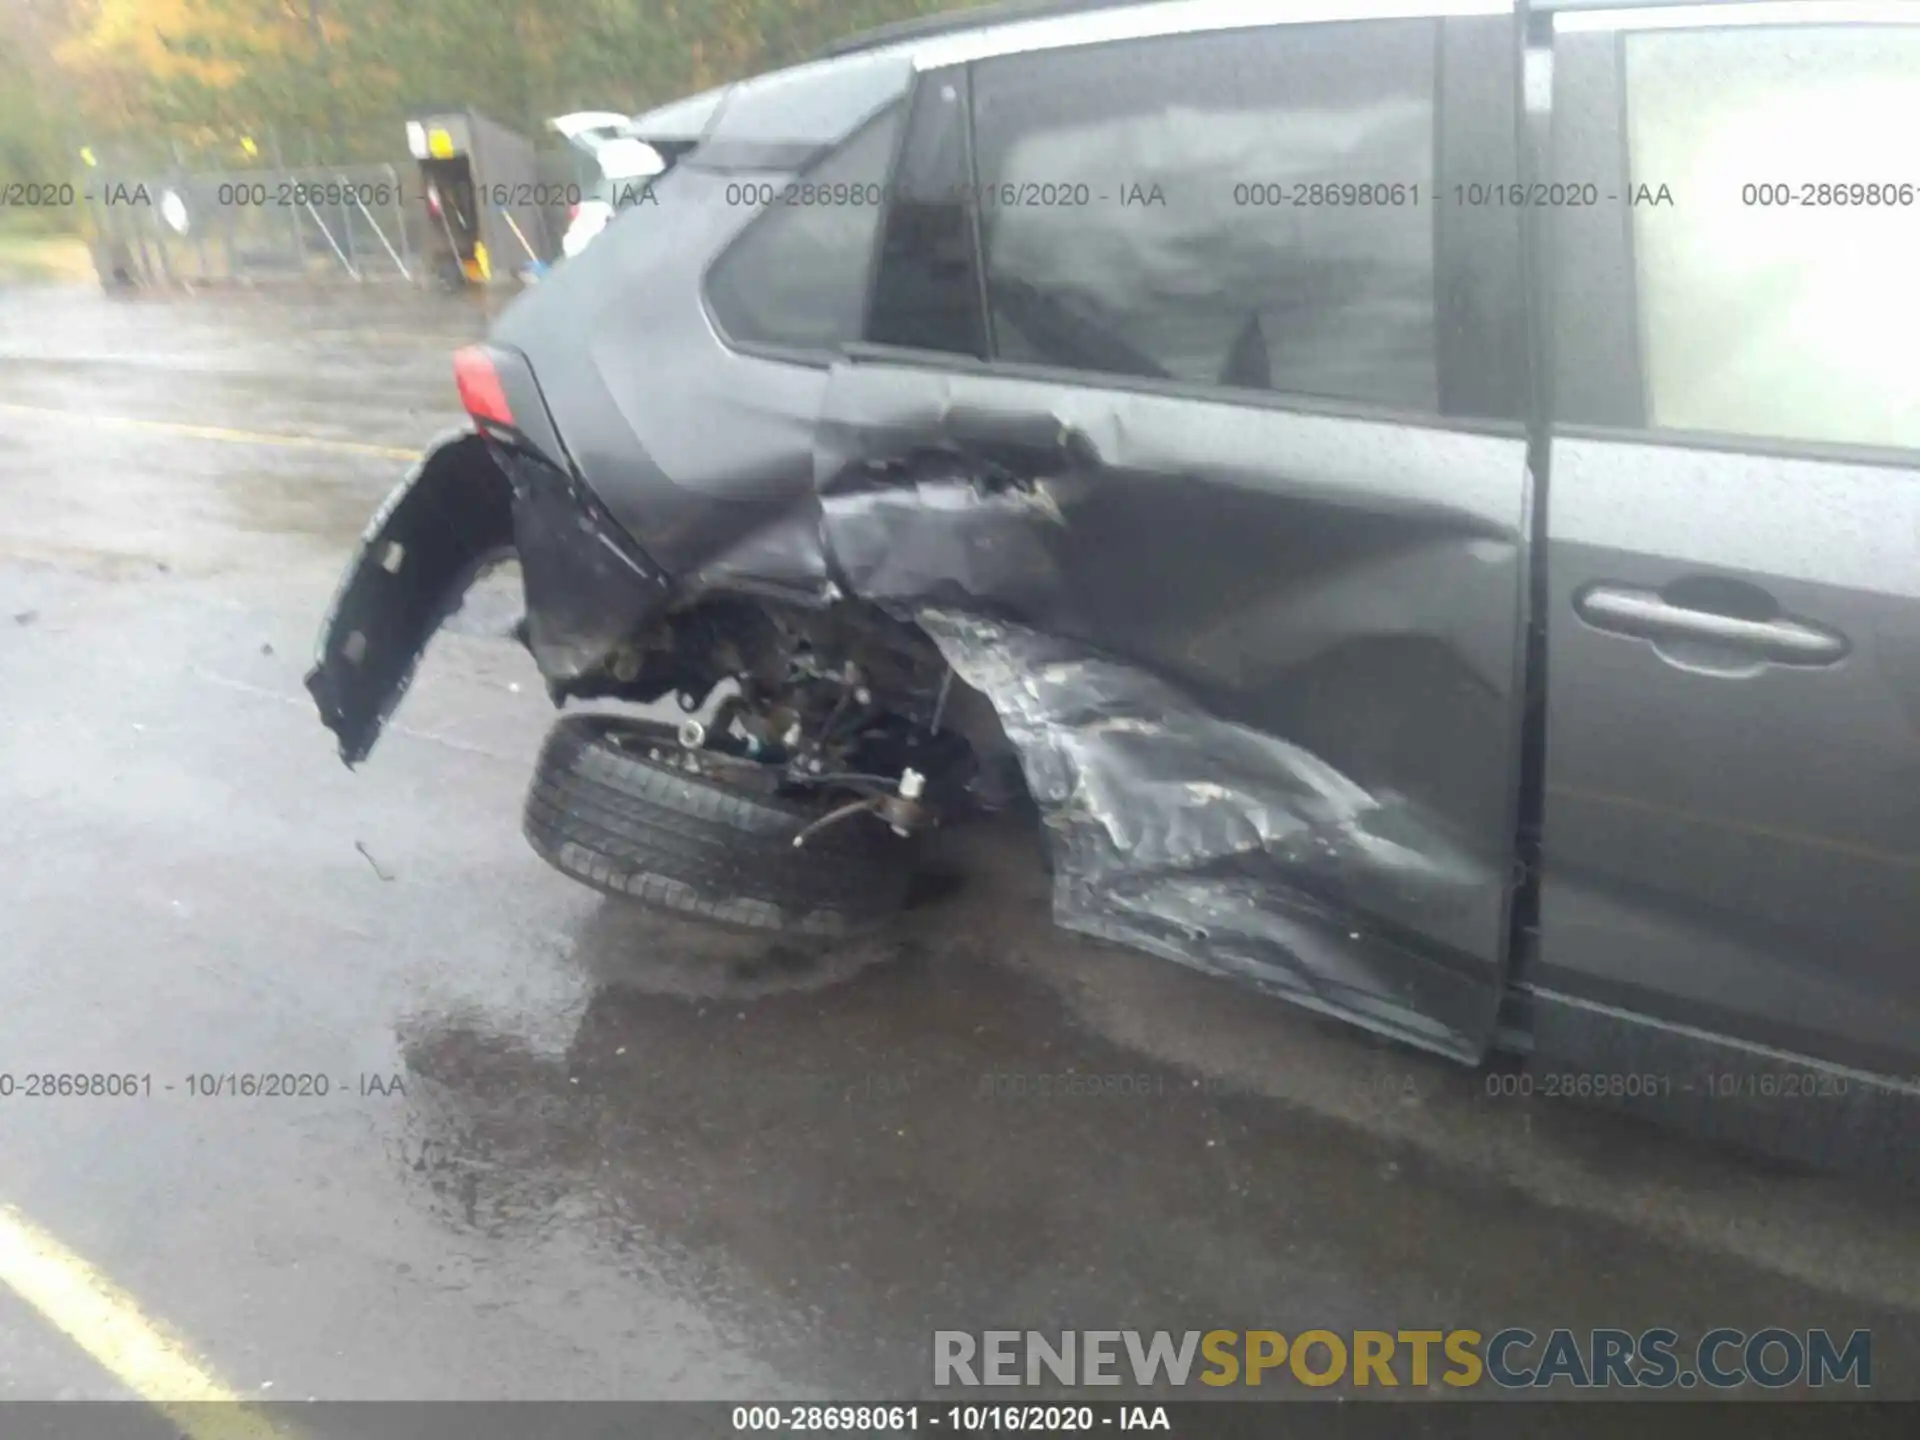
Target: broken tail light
[478, 381]
[497, 389]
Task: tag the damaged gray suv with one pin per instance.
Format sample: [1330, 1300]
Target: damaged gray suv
[1423, 497]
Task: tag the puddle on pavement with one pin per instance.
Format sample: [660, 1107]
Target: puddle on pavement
[912, 1134]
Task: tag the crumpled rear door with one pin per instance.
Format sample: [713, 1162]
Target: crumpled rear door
[1262, 667]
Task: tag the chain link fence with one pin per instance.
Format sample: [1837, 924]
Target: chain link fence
[362, 222]
[359, 223]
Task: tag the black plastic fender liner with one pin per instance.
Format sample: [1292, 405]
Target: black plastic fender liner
[589, 587]
[450, 519]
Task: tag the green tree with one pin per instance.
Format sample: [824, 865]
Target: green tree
[333, 79]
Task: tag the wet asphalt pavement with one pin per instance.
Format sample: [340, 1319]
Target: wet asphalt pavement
[570, 1149]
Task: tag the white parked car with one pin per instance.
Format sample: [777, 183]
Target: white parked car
[619, 168]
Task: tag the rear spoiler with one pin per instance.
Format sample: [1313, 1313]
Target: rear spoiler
[680, 125]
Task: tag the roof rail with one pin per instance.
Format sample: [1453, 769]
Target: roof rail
[949, 22]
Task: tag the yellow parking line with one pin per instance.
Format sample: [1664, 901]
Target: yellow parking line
[216, 432]
[105, 1322]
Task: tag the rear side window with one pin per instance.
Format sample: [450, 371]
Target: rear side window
[1248, 210]
[1779, 291]
[796, 277]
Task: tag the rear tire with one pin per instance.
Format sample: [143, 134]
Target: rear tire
[613, 805]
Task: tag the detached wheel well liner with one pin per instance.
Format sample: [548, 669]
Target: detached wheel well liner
[448, 521]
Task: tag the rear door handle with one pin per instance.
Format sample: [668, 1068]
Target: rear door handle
[1649, 616]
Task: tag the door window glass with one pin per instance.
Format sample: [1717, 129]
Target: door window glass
[1249, 209]
[1779, 291]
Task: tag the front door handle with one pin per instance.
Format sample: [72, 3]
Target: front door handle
[1650, 616]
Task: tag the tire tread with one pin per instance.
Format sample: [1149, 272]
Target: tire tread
[692, 844]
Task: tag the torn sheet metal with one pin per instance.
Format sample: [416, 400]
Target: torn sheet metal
[938, 527]
[1211, 844]
[1259, 666]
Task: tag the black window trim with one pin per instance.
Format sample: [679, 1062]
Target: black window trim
[1507, 310]
[923, 80]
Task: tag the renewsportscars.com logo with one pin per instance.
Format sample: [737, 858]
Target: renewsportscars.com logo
[1510, 1359]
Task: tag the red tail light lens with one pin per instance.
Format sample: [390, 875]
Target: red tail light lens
[479, 386]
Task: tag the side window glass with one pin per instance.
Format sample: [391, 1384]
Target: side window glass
[797, 276]
[1249, 209]
[927, 281]
[1779, 288]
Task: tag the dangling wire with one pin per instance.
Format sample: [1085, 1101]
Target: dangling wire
[834, 817]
